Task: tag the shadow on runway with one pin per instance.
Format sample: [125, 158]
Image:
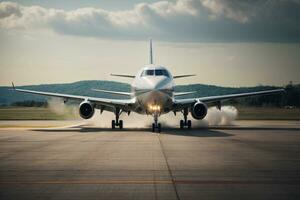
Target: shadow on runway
[196, 132]
[90, 130]
[258, 128]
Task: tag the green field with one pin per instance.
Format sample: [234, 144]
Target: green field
[245, 113]
[32, 113]
[265, 113]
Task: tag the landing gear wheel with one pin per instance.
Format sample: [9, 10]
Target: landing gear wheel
[159, 127]
[181, 124]
[121, 124]
[113, 124]
[189, 124]
[117, 123]
[156, 127]
[185, 122]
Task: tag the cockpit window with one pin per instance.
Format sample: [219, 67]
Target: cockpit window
[161, 72]
[157, 72]
[148, 72]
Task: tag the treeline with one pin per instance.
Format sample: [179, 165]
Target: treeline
[290, 98]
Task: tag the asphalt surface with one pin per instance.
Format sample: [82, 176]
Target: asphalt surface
[253, 160]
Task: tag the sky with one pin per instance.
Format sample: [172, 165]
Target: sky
[225, 42]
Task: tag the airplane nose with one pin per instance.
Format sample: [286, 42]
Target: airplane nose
[161, 84]
[156, 83]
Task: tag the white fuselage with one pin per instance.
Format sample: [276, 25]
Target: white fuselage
[153, 89]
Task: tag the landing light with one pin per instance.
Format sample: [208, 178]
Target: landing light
[154, 108]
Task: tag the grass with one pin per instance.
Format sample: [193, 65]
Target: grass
[245, 113]
[265, 113]
[31, 113]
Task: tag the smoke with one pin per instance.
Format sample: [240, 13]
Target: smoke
[70, 112]
[57, 106]
[214, 117]
[225, 116]
[103, 120]
[134, 120]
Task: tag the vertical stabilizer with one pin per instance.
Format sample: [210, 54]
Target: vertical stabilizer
[151, 55]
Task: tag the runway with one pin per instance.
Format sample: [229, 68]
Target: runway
[251, 160]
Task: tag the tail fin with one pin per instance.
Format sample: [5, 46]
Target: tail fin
[151, 55]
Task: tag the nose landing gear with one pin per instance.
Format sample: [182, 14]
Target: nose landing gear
[156, 125]
[117, 122]
[185, 122]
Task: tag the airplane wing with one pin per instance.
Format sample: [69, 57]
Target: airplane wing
[177, 94]
[183, 76]
[181, 103]
[123, 104]
[128, 94]
[123, 75]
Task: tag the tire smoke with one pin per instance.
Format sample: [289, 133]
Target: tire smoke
[214, 117]
[57, 106]
[225, 116]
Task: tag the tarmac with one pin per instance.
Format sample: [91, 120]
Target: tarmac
[250, 160]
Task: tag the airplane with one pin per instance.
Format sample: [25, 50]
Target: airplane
[152, 93]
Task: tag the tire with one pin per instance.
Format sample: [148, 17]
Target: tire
[189, 124]
[153, 127]
[181, 124]
[121, 124]
[113, 124]
[159, 127]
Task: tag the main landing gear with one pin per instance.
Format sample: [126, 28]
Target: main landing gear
[185, 122]
[156, 125]
[117, 122]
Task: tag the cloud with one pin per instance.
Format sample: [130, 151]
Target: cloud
[236, 10]
[7, 9]
[185, 20]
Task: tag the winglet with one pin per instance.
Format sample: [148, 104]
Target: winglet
[13, 85]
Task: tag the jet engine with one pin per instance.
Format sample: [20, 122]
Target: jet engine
[199, 110]
[86, 110]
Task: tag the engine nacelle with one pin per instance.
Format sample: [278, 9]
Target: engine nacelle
[86, 110]
[199, 110]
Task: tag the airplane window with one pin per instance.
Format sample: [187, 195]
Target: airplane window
[148, 73]
[161, 72]
[158, 72]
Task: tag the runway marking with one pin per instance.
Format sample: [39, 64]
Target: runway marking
[186, 182]
[168, 167]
